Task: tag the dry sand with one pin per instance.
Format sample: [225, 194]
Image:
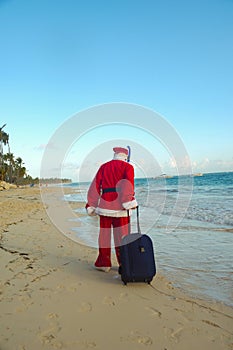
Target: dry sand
[52, 298]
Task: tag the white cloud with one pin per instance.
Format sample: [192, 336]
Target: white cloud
[43, 146]
[212, 165]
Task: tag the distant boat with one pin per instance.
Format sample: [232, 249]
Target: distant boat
[164, 176]
[197, 174]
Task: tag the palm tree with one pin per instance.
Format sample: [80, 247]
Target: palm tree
[20, 171]
[1, 131]
[4, 138]
[2, 142]
[10, 162]
[11, 169]
[6, 169]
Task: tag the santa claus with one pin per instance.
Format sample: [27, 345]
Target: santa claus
[111, 196]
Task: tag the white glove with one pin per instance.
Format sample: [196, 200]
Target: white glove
[91, 211]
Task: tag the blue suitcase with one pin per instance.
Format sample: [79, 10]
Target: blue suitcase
[137, 257]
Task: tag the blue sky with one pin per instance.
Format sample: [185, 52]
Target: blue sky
[174, 57]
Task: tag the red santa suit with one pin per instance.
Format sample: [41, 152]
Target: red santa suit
[110, 194]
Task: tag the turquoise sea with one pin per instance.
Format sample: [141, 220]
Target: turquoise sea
[190, 220]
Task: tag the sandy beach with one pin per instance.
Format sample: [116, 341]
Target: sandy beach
[52, 297]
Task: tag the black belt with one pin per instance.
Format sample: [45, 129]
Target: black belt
[110, 189]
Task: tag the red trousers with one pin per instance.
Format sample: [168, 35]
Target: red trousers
[120, 229]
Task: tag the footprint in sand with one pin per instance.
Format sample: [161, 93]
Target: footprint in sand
[73, 287]
[26, 300]
[139, 338]
[109, 301]
[184, 314]
[49, 337]
[176, 334]
[87, 344]
[154, 312]
[52, 315]
[85, 307]
[61, 287]
[124, 297]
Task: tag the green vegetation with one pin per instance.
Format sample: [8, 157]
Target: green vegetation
[12, 170]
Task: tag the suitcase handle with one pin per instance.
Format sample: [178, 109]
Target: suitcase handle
[138, 226]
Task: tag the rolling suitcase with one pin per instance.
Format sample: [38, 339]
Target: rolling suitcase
[137, 257]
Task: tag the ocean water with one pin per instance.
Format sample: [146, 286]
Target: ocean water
[190, 220]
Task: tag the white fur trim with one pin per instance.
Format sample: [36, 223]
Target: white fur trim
[130, 205]
[91, 211]
[120, 156]
[112, 213]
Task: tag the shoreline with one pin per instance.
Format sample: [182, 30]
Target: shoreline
[52, 297]
[192, 276]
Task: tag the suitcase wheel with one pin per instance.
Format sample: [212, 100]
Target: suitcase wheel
[148, 281]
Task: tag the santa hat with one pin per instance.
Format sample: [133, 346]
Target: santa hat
[121, 150]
